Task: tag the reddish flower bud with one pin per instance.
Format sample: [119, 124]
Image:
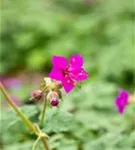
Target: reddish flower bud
[54, 102]
[37, 94]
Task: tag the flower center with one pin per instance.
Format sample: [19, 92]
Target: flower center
[69, 77]
[66, 72]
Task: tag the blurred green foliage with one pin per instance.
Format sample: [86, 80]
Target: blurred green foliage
[33, 31]
[102, 31]
[85, 120]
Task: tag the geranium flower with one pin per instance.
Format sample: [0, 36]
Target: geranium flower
[68, 72]
[122, 101]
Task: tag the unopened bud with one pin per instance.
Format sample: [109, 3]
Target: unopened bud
[59, 93]
[54, 102]
[47, 81]
[56, 85]
[37, 94]
[53, 98]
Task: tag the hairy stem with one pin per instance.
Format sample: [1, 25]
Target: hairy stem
[35, 143]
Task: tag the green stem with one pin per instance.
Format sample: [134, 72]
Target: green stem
[43, 112]
[43, 137]
[24, 118]
[35, 143]
[17, 110]
[45, 143]
[45, 90]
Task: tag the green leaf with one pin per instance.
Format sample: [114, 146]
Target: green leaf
[58, 121]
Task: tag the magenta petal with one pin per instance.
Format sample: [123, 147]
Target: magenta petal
[68, 84]
[121, 101]
[120, 104]
[123, 93]
[76, 61]
[59, 62]
[56, 74]
[80, 75]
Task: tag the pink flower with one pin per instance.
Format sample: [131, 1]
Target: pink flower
[122, 101]
[68, 72]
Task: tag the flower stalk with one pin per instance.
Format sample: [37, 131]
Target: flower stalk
[35, 143]
[45, 143]
[43, 112]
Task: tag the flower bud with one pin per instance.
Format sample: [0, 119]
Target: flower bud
[47, 81]
[53, 98]
[37, 94]
[54, 102]
[59, 93]
[56, 85]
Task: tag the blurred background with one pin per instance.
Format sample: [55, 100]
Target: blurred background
[102, 31]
